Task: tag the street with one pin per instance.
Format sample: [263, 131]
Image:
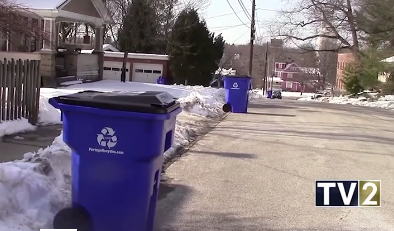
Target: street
[257, 171]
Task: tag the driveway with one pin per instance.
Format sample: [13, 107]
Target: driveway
[257, 171]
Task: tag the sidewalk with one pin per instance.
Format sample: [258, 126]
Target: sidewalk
[14, 146]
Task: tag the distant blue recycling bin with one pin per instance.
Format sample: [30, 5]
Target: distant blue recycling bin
[161, 80]
[237, 93]
[269, 94]
[117, 142]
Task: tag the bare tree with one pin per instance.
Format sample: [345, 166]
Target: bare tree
[14, 21]
[311, 20]
[327, 63]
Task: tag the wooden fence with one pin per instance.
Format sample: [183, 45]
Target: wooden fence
[20, 83]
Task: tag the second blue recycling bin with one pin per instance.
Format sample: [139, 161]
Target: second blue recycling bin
[269, 94]
[237, 93]
[161, 80]
[117, 142]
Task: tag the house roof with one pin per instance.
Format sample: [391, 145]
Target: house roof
[290, 65]
[40, 4]
[59, 4]
[109, 47]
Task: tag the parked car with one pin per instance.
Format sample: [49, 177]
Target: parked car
[320, 94]
[276, 94]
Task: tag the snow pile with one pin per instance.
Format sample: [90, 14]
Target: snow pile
[385, 102]
[206, 102]
[34, 189]
[256, 94]
[15, 126]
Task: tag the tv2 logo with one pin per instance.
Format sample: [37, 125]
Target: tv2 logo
[364, 193]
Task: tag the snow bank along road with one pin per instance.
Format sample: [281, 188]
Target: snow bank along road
[257, 171]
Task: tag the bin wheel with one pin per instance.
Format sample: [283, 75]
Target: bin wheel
[73, 218]
[227, 107]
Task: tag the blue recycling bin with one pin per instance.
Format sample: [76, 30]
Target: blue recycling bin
[161, 80]
[269, 94]
[237, 93]
[117, 142]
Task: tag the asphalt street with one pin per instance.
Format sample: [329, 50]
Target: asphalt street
[257, 171]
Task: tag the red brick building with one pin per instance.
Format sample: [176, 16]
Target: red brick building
[343, 60]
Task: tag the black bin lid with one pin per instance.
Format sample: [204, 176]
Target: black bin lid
[154, 102]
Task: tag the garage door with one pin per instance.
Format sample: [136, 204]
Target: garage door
[113, 70]
[146, 73]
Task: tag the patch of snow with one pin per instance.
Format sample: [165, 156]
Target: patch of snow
[15, 126]
[385, 102]
[296, 94]
[18, 138]
[256, 95]
[305, 99]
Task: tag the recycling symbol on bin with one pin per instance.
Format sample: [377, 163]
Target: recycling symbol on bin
[107, 137]
[235, 85]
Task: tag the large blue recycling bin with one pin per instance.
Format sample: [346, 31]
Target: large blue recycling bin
[117, 142]
[237, 92]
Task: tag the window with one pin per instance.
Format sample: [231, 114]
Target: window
[139, 70]
[147, 71]
[289, 75]
[107, 68]
[156, 72]
[115, 69]
[289, 84]
[33, 45]
[283, 66]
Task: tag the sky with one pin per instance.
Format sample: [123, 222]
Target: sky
[220, 18]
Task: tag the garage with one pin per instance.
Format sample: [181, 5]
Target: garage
[146, 73]
[113, 70]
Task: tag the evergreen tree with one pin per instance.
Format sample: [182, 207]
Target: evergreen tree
[166, 18]
[363, 74]
[352, 79]
[138, 32]
[194, 52]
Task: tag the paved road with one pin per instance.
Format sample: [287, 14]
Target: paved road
[257, 171]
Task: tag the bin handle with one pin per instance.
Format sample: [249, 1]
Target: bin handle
[53, 102]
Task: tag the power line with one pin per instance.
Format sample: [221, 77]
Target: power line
[236, 13]
[222, 15]
[231, 26]
[240, 36]
[228, 14]
[244, 9]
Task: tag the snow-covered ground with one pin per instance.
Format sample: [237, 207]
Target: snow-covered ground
[296, 94]
[35, 188]
[385, 102]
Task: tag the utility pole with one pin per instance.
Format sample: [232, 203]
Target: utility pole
[252, 37]
[265, 70]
